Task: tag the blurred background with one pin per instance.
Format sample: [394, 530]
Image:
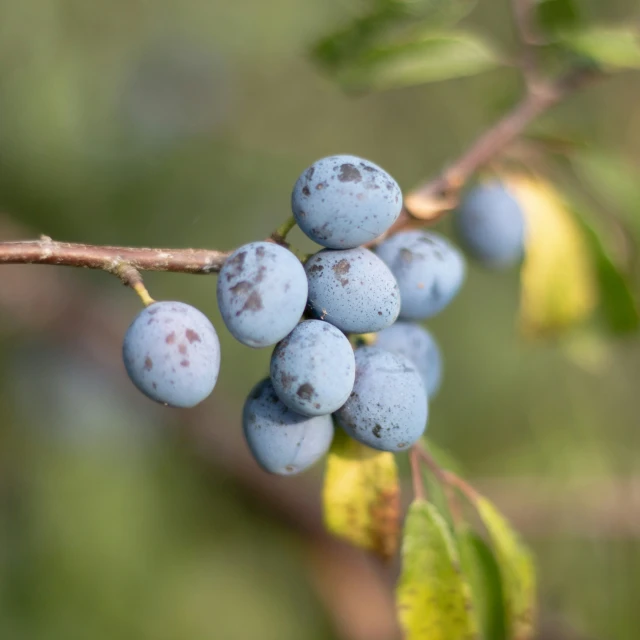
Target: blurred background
[185, 123]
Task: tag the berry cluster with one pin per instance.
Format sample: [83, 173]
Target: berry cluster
[378, 392]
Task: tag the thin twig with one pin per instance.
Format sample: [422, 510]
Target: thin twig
[434, 198]
[416, 475]
[426, 203]
[447, 478]
[443, 478]
[279, 236]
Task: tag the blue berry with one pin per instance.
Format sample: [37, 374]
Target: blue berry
[343, 201]
[490, 225]
[262, 292]
[172, 354]
[416, 343]
[313, 368]
[282, 441]
[387, 409]
[428, 268]
[352, 289]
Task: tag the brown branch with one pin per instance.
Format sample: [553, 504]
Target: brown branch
[426, 203]
[433, 199]
[111, 259]
[446, 478]
[416, 475]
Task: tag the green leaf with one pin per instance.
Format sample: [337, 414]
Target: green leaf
[433, 598]
[366, 32]
[423, 57]
[611, 48]
[619, 307]
[557, 15]
[516, 569]
[345, 45]
[361, 496]
[481, 569]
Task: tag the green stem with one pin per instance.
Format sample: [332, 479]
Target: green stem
[279, 236]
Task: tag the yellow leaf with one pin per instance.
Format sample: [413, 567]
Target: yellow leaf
[361, 496]
[433, 598]
[516, 569]
[558, 283]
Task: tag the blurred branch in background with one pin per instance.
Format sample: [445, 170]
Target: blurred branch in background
[591, 507]
[49, 301]
[426, 203]
[356, 590]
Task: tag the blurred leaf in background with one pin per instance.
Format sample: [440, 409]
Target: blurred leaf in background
[421, 57]
[557, 278]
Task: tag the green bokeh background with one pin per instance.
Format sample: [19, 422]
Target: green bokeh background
[185, 123]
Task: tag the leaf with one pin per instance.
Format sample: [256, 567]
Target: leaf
[361, 496]
[558, 286]
[345, 45]
[481, 569]
[366, 32]
[556, 15]
[619, 307]
[425, 56]
[616, 47]
[433, 598]
[516, 569]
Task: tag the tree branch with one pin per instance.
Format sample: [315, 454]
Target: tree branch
[416, 475]
[434, 198]
[428, 202]
[111, 259]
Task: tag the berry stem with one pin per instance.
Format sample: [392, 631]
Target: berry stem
[141, 290]
[279, 236]
[449, 481]
[131, 277]
[363, 339]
